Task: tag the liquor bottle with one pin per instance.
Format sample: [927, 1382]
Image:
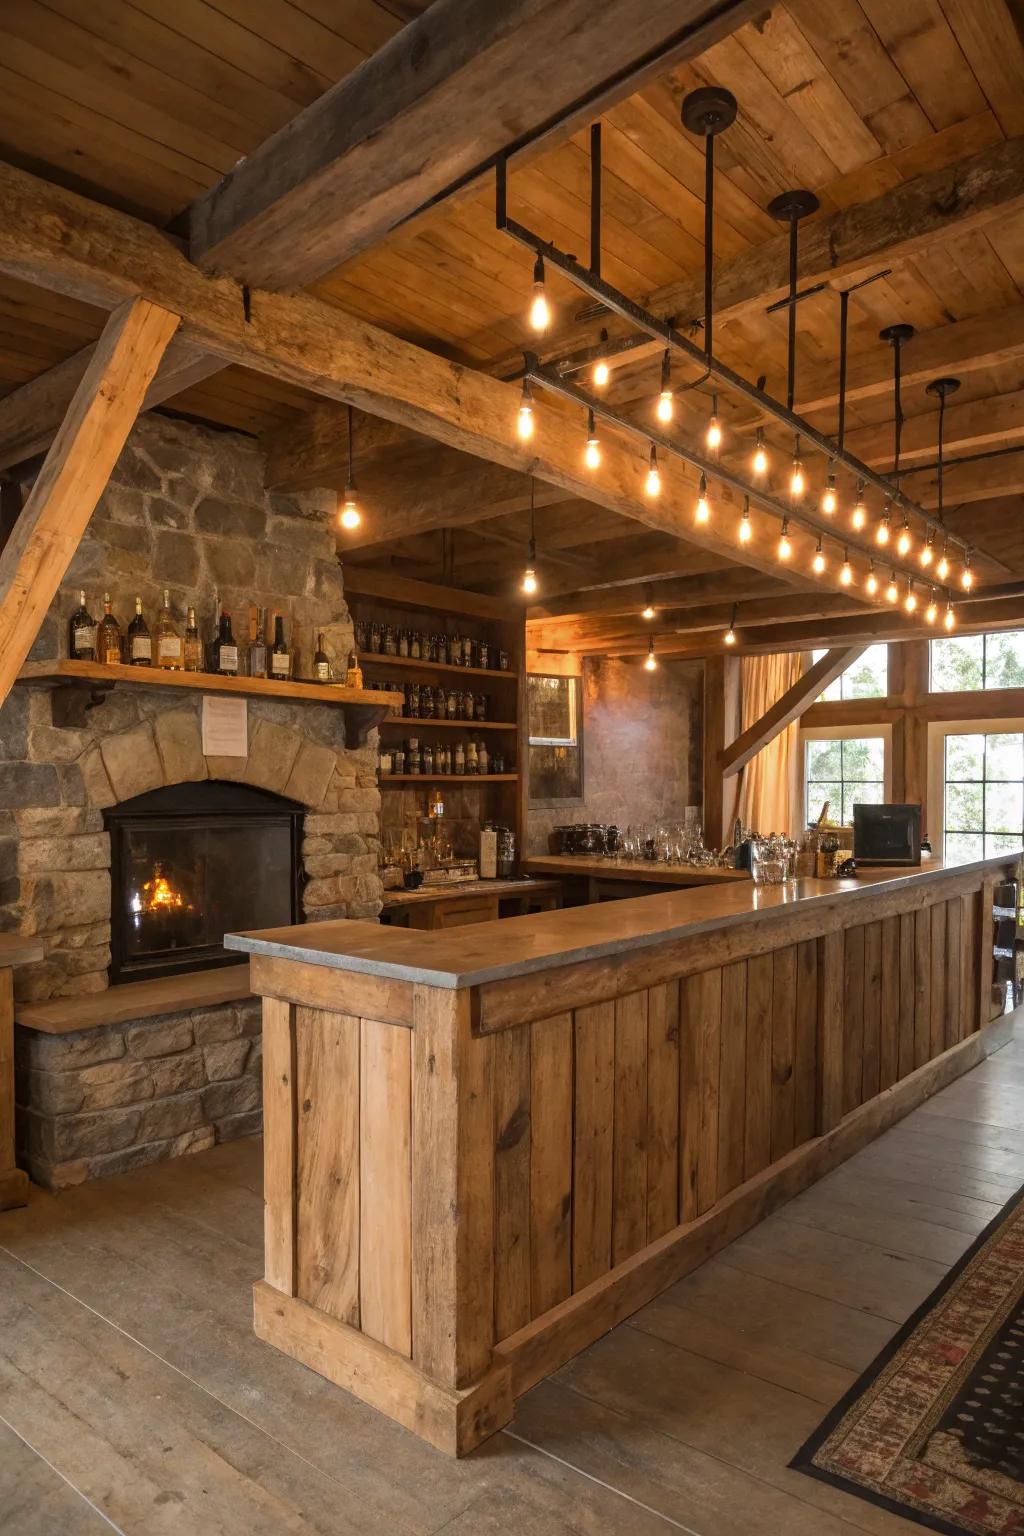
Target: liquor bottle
[193, 644]
[321, 662]
[483, 764]
[214, 640]
[140, 641]
[258, 648]
[108, 637]
[354, 672]
[82, 633]
[225, 651]
[169, 649]
[280, 656]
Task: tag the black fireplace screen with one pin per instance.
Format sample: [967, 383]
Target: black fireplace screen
[191, 863]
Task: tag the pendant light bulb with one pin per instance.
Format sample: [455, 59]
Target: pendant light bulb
[664, 408]
[785, 542]
[949, 622]
[746, 532]
[713, 435]
[592, 451]
[931, 613]
[859, 515]
[829, 499]
[797, 478]
[759, 463]
[892, 591]
[349, 517]
[872, 582]
[927, 554]
[819, 562]
[540, 309]
[648, 611]
[846, 570]
[524, 425]
[651, 664]
[529, 582]
[910, 601]
[702, 514]
[967, 577]
[905, 540]
[942, 569]
[652, 484]
[602, 373]
[730, 634]
[883, 532]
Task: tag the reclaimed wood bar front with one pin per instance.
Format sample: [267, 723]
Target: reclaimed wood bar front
[485, 1148]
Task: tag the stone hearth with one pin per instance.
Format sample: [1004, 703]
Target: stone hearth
[185, 509]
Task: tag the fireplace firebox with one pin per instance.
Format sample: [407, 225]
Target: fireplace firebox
[192, 862]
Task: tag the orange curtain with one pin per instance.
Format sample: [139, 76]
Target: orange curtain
[769, 787]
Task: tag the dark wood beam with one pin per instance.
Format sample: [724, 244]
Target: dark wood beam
[722, 699]
[428, 113]
[995, 421]
[788, 708]
[630, 633]
[667, 596]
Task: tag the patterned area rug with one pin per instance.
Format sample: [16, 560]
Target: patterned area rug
[934, 1429]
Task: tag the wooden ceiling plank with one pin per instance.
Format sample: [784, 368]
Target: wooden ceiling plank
[74, 474]
[379, 145]
[920, 42]
[994, 49]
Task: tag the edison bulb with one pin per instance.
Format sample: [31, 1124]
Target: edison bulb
[524, 426]
[872, 582]
[942, 569]
[713, 436]
[927, 554]
[540, 309]
[651, 664]
[529, 581]
[950, 620]
[846, 574]
[702, 514]
[797, 480]
[730, 636]
[349, 517]
[648, 612]
[602, 373]
[664, 407]
[785, 544]
[592, 453]
[652, 485]
[910, 601]
[818, 563]
[859, 516]
[967, 579]
[892, 591]
[931, 613]
[904, 541]
[746, 532]
[759, 463]
[882, 533]
[829, 499]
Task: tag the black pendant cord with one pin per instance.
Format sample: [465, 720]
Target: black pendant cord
[351, 482]
[709, 247]
[791, 320]
[595, 199]
[844, 329]
[897, 336]
[942, 388]
[532, 548]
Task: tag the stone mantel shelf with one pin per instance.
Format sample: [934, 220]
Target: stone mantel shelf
[83, 684]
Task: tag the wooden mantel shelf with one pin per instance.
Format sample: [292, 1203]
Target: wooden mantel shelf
[87, 682]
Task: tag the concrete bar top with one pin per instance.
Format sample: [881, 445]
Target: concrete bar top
[593, 866]
[517, 946]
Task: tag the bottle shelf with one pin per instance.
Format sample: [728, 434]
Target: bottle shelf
[448, 778]
[451, 725]
[376, 658]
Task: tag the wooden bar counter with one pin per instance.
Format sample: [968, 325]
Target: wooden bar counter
[485, 1148]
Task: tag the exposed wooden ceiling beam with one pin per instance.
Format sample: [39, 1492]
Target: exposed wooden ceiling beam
[788, 708]
[592, 633]
[428, 111]
[735, 585]
[31, 415]
[997, 421]
[60, 240]
[312, 452]
[970, 481]
[74, 474]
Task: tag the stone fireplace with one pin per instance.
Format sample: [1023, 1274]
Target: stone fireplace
[185, 508]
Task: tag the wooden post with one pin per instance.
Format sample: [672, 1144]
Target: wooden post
[279, 1137]
[721, 725]
[74, 473]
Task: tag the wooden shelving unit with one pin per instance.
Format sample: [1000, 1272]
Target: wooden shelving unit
[449, 778]
[405, 721]
[83, 684]
[410, 664]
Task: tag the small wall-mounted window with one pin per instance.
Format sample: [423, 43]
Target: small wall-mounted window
[966, 663]
[555, 724]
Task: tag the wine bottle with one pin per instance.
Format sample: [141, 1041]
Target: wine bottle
[353, 672]
[280, 656]
[225, 651]
[169, 649]
[140, 641]
[109, 636]
[193, 644]
[82, 633]
[258, 648]
[321, 662]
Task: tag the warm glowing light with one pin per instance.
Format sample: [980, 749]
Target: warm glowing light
[349, 517]
[651, 664]
[159, 895]
[785, 543]
[967, 576]
[730, 636]
[797, 480]
[892, 592]
[904, 541]
[910, 601]
[846, 571]
[652, 485]
[872, 582]
[529, 581]
[525, 423]
[759, 463]
[931, 613]
[540, 309]
[859, 515]
[663, 409]
[949, 622]
[602, 373]
[819, 562]
[648, 612]
[927, 554]
[746, 532]
[942, 569]
[829, 499]
[713, 435]
[592, 451]
[883, 530]
[703, 510]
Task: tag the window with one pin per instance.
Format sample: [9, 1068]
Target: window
[844, 767]
[555, 738]
[965, 663]
[983, 793]
[866, 678]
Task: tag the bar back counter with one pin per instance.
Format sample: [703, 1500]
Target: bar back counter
[485, 1148]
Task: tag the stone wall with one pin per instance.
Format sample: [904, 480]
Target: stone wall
[185, 509]
[642, 760]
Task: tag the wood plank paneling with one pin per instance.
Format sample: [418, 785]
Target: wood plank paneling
[872, 1010]
[551, 1157]
[758, 1139]
[969, 971]
[907, 1053]
[831, 1031]
[732, 1078]
[783, 1049]
[592, 1143]
[922, 985]
[662, 1109]
[889, 1027]
[279, 1144]
[629, 1159]
[700, 1056]
[327, 1209]
[952, 961]
[511, 1181]
[853, 1019]
[937, 999]
[385, 1184]
[805, 1073]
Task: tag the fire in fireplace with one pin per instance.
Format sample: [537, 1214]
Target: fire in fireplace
[192, 862]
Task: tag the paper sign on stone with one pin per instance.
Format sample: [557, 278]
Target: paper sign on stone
[225, 727]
